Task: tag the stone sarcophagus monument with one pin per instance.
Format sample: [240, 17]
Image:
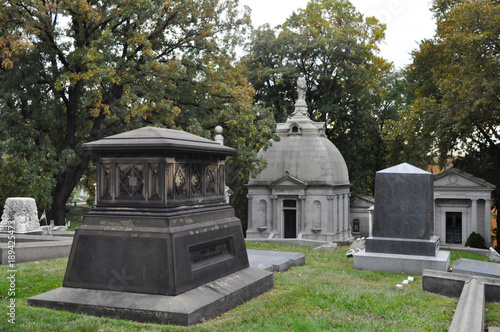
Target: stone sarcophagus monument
[20, 215]
[403, 231]
[162, 244]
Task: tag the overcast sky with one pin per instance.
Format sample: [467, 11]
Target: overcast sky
[408, 21]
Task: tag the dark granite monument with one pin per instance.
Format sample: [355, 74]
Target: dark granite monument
[403, 231]
[161, 233]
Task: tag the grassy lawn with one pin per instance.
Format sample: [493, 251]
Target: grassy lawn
[324, 294]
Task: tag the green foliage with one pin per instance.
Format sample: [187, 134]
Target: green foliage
[76, 71]
[454, 83]
[336, 48]
[475, 240]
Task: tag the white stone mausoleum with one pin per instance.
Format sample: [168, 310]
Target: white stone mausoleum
[304, 190]
[462, 205]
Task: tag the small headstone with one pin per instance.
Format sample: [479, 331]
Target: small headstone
[22, 214]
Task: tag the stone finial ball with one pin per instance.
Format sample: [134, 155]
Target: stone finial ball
[218, 130]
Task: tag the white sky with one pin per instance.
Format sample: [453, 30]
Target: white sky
[408, 21]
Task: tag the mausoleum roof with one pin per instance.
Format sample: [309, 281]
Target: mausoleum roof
[152, 138]
[303, 152]
[454, 178]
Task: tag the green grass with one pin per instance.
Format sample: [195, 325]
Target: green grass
[325, 294]
[75, 215]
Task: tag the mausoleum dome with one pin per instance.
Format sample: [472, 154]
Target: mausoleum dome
[303, 152]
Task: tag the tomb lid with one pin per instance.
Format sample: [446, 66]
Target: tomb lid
[152, 138]
[404, 168]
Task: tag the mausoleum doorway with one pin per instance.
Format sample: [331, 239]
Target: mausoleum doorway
[290, 218]
[454, 227]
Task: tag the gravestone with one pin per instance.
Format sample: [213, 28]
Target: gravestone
[20, 215]
[161, 237]
[403, 230]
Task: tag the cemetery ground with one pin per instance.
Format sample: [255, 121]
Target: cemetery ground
[324, 294]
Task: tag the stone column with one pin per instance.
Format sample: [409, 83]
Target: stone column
[474, 217]
[330, 220]
[347, 214]
[336, 214]
[346, 211]
[370, 221]
[466, 226]
[487, 220]
[250, 210]
[341, 214]
[274, 222]
[302, 215]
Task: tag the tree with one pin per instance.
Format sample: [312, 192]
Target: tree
[455, 80]
[337, 50]
[75, 71]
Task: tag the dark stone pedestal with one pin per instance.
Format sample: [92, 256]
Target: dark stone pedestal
[130, 257]
[162, 245]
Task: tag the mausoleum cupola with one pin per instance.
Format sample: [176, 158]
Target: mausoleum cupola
[304, 190]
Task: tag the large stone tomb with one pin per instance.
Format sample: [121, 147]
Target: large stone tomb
[403, 231]
[161, 233]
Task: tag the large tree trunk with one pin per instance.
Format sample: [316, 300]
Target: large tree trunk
[66, 182]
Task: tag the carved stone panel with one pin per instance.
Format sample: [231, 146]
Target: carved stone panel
[155, 182]
[181, 180]
[196, 180]
[106, 181]
[169, 180]
[211, 179]
[221, 181]
[159, 181]
[130, 181]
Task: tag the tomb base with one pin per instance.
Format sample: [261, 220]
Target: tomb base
[138, 255]
[403, 246]
[398, 263]
[189, 308]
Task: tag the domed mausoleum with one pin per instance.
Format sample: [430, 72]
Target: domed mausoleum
[304, 190]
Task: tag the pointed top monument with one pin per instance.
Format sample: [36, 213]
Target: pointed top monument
[404, 168]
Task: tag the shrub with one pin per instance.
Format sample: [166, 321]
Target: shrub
[475, 240]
